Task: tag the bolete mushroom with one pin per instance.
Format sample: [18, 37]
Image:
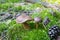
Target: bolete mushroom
[23, 19]
[37, 20]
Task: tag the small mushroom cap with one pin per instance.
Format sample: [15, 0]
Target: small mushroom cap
[37, 19]
[23, 18]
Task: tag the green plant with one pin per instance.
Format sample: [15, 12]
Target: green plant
[35, 35]
[14, 32]
[3, 27]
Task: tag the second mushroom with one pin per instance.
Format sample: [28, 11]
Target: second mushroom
[23, 20]
[37, 20]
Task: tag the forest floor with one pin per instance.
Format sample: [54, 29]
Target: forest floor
[11, 30]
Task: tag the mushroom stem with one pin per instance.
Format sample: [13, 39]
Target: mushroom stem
[36, 25]
[26, 26]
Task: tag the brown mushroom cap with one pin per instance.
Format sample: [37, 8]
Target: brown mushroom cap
[23, 18]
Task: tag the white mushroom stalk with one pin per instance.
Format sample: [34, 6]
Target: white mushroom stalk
[37, 20]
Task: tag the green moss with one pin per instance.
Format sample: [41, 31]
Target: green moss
[17, 31]
[3, 27]
[36, 35]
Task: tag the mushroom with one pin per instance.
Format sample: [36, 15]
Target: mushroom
[37, 20]
[23, 20]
